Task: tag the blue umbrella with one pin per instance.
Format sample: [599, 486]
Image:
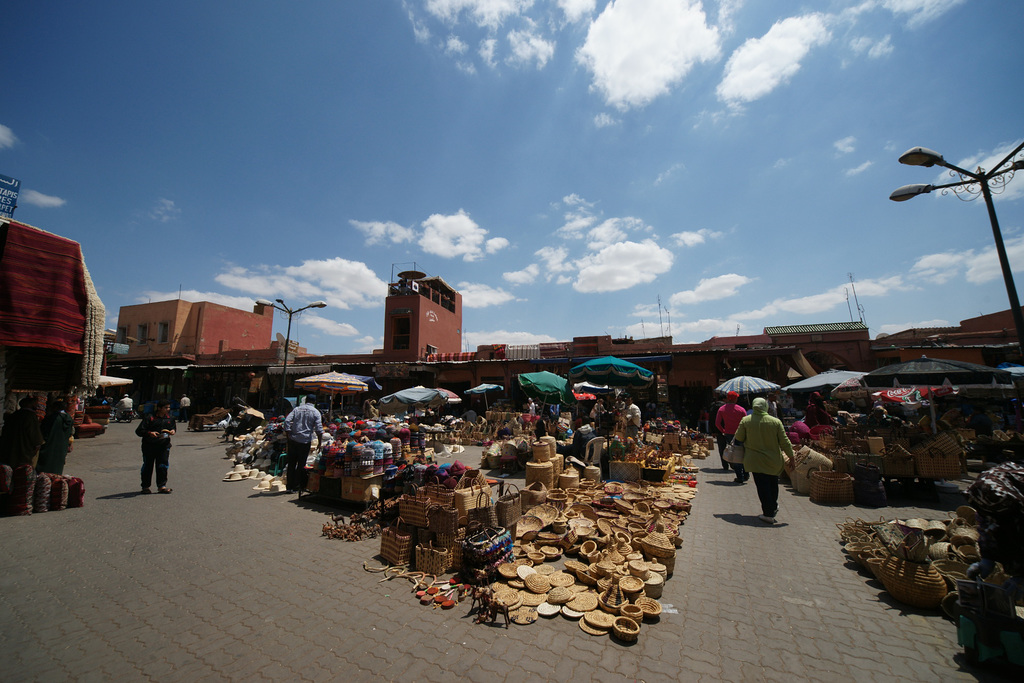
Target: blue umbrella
[745, 384]
[411, 399]
[483, 389]
[612, 371]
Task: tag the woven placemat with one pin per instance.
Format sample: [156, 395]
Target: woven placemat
[523, 615]
[590, 630]
[583, 602]
[561, 579]
[532, 599]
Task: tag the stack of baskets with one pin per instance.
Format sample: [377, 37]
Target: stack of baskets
[541, 469]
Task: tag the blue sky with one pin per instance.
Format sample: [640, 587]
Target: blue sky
[564, 164]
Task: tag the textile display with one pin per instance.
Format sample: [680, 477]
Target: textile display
[23, 485]
[43, 297]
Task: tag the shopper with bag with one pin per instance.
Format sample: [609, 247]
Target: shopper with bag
[727, 419]
[764, 441]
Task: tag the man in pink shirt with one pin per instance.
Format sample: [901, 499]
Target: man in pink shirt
[727, 420]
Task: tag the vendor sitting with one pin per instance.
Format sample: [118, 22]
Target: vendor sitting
[580, 439]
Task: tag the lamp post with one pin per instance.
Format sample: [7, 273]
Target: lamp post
[967, 188]
[280, 305]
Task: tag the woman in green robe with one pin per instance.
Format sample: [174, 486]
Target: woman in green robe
[57, 428]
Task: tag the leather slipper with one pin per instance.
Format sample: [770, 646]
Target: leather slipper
[165, 490]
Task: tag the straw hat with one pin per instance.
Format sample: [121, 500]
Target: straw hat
[278, 487]
[264, 485]
[240, 468]
[255, 473]
[233, 476]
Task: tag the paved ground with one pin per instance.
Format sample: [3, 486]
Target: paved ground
[216, 581]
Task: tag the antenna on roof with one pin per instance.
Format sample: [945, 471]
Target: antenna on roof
[860, 309]
[847, 293]
[660, 321]
[643, 330]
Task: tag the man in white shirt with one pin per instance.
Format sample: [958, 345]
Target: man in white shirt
[633, 419]
[183, 405]
[299, 426]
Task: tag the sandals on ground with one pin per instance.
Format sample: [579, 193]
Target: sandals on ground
[165, 490]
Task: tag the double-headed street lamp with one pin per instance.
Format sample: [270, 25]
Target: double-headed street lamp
[288, 336]
[967, 188]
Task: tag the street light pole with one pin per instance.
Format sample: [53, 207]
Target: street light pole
[967, 188]
[281, 306]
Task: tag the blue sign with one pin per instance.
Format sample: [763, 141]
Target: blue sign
[8, 196]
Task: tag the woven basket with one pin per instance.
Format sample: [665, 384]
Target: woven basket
[653, 586]
[396, 545]
[807, 461]
[442, 519]
[898, 462]
[534, 494]
[831, 488]
[625, 629]
[936, 464]
[634, 612]
[413, 509]
[624, 471]
[539, 472]
[432, 559]
[912, 583]
[650, 606]
[657, 544]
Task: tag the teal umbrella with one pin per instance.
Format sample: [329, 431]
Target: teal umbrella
[613, 372]
[415, 398]
[547, 387]
[484, 389]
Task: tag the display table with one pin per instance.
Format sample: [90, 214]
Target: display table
[353, 489]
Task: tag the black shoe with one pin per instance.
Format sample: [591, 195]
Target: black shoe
[746, 476]
[739, 481]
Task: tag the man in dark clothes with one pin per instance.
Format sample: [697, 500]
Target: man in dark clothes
[21, 437]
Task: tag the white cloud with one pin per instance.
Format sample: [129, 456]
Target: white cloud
[939, 268]
[637, 50]
[604, 120]
[578, 219]
[457, 235]
[825, 301]
[367, 344]
[243, 303]
[621, 266]
[455, 46]
[689, 238]
[378, 232]
[164, 211]
[711, 289]
[921, 11]
[475, 295]
[987, 161]
[487, 48]
[882, 48]
[727, 9]
[554, 261]
[340, 282]
[577, 9]
[527, 47]
[668, 173]
[893, 328]
[762, 64]
[858, 169]
[983, 266]
[7, 137]
[696, 331]
[609, 232]
[486, 13]
[782, 163]
[330, 327]
[845, 145]
[475, 339]
[524, 276]
[41, 200]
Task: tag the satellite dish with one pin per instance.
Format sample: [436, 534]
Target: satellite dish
[411, 275]
[280, 338]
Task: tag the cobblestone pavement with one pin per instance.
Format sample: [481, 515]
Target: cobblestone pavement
[219, 582]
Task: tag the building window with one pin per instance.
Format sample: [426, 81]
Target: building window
[162, 332]
[431, 349]
[122, 335]
[142, 333]
[401, 333]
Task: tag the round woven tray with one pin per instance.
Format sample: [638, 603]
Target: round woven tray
[536, 556]
[546, 513]
[509, 598]
[545, 569]
[583, 602]
[507, 570]
[551, 553]
[523, 615]
[560, 595]
[528, 526]
[532, 599]
[561, 579]
[516, 583]
[590, 630]
[574, 566]
[525, 570]
[569, 613]
[631, 584]
[537, 583]
[599, 619]
[546, 609]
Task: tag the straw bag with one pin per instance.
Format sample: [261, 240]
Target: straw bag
[937, 464]
[807, 461]
[438, 494]
[831, 488]
[395, 545]
[898, 462]
[432, 559]
[509, 507]
[734, 452]
[413, 508]
[442, 519]
[483, 512]
[467, 493]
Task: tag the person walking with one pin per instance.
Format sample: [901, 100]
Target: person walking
[183, 405]
[58, 427]
[299, 426]
[726, 421]
[156, 430]
[764, 440]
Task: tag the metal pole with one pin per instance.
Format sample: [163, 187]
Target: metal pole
[1011, 289]
[287, 340]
